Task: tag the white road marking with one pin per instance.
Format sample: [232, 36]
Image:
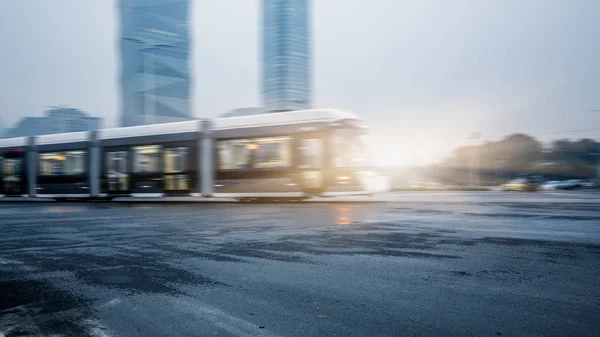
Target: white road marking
[233, 325]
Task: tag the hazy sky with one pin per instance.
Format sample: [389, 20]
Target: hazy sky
[425, 74]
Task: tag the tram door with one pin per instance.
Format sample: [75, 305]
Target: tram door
[116, 171]
[177, 180]
[11, 176]
[311, 164]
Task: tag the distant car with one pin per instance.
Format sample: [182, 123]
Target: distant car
[573, 184]
[520, 185]
[592, 183]
[551, 185]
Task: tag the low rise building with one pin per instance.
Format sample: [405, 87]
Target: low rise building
[57, 120]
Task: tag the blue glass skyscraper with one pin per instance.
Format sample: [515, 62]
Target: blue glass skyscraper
[286, 55]
[155, 49]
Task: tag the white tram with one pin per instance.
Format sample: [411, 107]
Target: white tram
[285, 155]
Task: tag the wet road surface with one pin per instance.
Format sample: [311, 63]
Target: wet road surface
[452, 264]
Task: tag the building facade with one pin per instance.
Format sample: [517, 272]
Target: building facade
[286, 55]
[57, 120]
[154, 50]
[242, 112]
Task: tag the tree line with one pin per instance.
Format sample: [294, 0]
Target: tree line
[518, 155]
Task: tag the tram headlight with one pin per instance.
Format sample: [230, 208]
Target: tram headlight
[343, 179]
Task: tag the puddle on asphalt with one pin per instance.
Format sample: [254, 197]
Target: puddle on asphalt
[66, 209]
[343, 215]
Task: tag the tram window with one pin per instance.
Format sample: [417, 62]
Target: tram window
[11, 167]
[116, 162]
[232, 154]
[62, 163]
[116, 170]
[272, 153]
[147, 159]
[176, 160]
[258, 153]
[311, 153]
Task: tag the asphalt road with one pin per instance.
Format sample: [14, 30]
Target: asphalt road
[417, 264]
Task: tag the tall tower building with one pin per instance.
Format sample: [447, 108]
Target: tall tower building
[155, 50]
[286, 55]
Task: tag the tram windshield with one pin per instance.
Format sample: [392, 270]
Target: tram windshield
[351, 149]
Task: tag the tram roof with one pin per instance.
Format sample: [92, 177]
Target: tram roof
[152, 129]
[59, 138]
[13, 142]
[287, 117]
[266, 119]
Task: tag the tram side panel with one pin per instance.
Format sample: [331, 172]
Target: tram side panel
[255, 167]
[13, 170]
[206, 159]
[30, 174]
[153, 165]
[181, 167]
[343, 176]
[295, 160]
[114, 165]
[94, 165]
[269, 161]
[63, 170]
[311, 153]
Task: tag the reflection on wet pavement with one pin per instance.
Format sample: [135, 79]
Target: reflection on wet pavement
[66, 209]
[344, 215]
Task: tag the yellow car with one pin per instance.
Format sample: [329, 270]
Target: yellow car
[520, 185]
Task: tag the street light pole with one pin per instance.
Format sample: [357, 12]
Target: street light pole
[475, 161]
[597, 154]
